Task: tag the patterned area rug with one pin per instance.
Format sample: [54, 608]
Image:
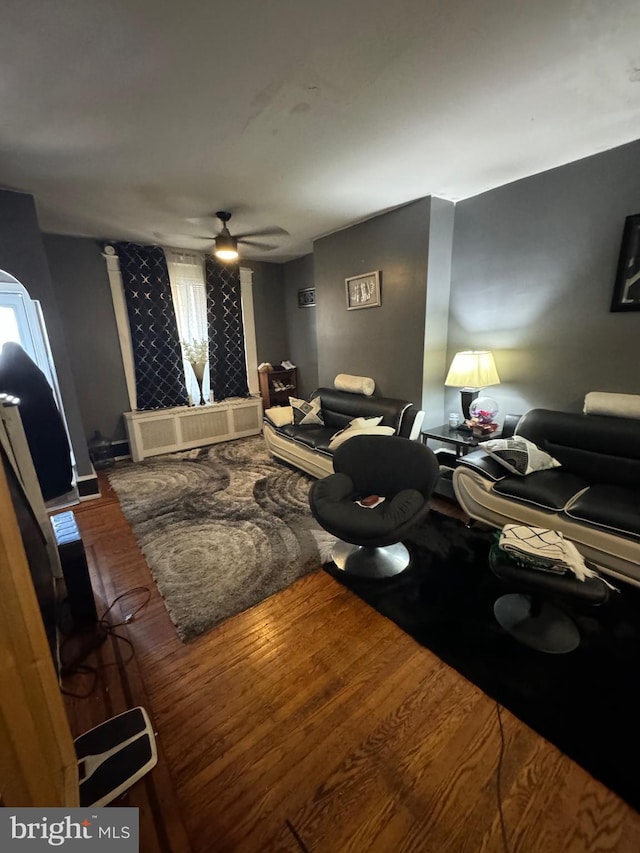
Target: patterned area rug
[222, 528]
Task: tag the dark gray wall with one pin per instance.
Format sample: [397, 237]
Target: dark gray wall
[533, 269]
[22, 254]
[301, 324]
[82, 288]
[441, 221]
[269, 311]
[386, 342]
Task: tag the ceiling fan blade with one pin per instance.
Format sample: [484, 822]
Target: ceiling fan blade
[170, 239]
[265, 247]
[274, 231]
[211, 223]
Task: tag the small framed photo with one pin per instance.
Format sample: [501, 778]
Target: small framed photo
[626, 291]
[307, 297]
[363, 291]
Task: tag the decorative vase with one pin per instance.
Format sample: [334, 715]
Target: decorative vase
[483, 410]
[198, 372]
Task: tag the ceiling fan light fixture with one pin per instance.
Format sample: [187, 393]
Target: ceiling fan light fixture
[226, 248]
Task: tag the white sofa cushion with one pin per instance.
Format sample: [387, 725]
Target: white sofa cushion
[280, 415]
[345, 434]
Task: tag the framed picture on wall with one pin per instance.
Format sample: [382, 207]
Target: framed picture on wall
[307, 297]
[626, 290]
[363, 291]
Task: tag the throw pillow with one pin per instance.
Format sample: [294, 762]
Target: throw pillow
[345, 434]
[519, 456]
[306, 413]
[363, 423]
[358, 423]
[280, 415]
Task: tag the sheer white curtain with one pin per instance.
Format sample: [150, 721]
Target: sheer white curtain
[186, 274]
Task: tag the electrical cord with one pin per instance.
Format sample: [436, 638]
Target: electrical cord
[105, 629]
[130, 616]
[503, 828]
[77, 669]
[303, 847]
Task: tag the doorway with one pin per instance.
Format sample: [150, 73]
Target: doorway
[22, 321]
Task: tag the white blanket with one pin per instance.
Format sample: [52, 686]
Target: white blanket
[355, 384]
[614, 405]
[546, 544]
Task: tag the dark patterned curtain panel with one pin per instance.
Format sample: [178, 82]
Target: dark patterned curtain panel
[227, 365]
[154, 333]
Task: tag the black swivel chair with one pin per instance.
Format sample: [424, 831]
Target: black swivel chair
[401, 471]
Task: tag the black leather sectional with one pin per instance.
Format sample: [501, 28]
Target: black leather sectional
[307, 446]
[593, 498]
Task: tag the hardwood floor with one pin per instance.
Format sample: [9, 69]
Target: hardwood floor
[311, 723]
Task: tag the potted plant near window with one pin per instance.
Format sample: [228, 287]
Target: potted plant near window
[197, 354]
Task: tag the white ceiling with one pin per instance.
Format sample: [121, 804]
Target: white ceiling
[128, 118]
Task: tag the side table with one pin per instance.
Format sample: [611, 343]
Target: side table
[463, 442]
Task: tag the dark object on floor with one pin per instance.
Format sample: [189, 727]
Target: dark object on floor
[584, 703]
[528, 617]
[80, 598]
[41, 419]
[101, 451]
[404, 472]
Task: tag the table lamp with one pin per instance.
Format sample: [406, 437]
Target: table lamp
[470, 371]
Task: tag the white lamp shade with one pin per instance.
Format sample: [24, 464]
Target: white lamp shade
[472, 369]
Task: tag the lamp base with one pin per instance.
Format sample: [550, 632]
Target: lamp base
[467, 396]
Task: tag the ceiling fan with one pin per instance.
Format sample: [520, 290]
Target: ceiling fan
[226, 244]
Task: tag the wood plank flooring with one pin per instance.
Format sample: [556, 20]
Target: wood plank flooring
[311, 723]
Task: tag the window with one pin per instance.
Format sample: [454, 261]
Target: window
[186, 274]
[9, 330]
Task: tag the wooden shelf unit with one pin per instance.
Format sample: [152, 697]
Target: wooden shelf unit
[272, 396]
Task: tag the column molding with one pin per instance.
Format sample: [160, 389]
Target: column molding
[248, 320]
[122, 322]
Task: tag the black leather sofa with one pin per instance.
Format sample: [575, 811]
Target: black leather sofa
[593, 498]
[307, 446]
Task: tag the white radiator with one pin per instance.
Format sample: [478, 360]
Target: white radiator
[168, 430]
